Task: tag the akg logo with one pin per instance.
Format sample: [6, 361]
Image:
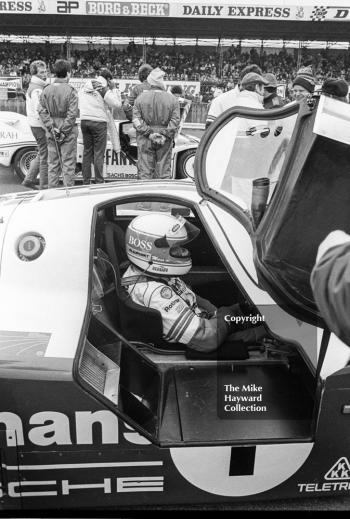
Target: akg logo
[64, 7]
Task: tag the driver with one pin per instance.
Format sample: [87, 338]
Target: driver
[155, 247]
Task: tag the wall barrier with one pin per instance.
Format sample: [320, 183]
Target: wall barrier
[196, 115]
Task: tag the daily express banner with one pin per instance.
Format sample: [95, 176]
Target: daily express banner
[254, 9]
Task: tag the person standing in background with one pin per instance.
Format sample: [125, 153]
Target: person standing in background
[58, 111]
[129, 102]
[96, 99]
[271, 98]
[39, 165]
[304, 84]
[227, 100]
[156, 118]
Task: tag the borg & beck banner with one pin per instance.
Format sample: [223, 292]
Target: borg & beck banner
[254, 9]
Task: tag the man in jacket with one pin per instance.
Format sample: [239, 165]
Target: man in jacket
[39, 164]
[330, 281]
[96, 98]
[156, 118]
[58, 111]
[229, 99]
[129, 102]
[238, 178]
[271, 98]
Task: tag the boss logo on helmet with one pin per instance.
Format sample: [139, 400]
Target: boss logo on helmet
[140, 244]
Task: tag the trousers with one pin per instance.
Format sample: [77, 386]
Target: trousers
[65, 153]
[95, 141]
[153, 163]
[39, 164]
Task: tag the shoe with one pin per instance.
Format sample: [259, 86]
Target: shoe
[28, 183]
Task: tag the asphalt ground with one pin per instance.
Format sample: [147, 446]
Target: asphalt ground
[10, 184]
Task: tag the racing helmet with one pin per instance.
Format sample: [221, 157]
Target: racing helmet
[154, 243]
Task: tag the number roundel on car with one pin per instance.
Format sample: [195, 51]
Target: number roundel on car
[30, 246]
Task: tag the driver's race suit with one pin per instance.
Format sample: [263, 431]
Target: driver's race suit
[187, 318]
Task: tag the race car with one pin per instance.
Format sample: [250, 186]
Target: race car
[18, 148]
[98, 411]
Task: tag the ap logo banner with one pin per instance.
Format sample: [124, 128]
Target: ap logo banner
[340, 471]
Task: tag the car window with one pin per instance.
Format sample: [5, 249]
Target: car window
[245, 150]
[137, 208]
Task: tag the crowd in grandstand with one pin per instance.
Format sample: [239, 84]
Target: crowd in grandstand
[200, 63]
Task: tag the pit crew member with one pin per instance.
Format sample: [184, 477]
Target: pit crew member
[38, 71]
[58, 111]
[156, 119]
[129, 102]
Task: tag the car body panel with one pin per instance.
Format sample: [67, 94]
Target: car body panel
[119, 164]
[69, 443]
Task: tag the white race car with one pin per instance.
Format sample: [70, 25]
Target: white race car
[18, 148]
[98, 411]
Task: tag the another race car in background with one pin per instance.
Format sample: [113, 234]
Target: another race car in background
[18, 148]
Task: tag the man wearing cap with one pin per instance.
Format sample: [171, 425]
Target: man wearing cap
[252, 91]
[271, 98]
[129, 102]
[156, 118]
[96, 98]
[336, 88]
[304, 84]
[238, 179]
[228, 99]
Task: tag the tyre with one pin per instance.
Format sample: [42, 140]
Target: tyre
[22, 160]
[185, 164]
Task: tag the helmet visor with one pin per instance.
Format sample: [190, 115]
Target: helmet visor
[175, 235]
[179, 252]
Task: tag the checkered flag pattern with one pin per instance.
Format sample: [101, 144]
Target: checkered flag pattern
[319, 14]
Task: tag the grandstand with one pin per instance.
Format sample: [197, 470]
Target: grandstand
[191, 41]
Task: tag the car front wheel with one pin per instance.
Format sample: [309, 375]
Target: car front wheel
[185, 164]
[22, 161]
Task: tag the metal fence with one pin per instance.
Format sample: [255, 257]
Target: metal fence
[197, 113]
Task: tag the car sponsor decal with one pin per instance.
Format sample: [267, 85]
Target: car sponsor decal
[166, 293]
[337, 478]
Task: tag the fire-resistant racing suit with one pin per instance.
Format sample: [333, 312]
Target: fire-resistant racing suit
[155, 111]
[187, 318]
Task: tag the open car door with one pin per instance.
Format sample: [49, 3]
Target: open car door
[298, 158]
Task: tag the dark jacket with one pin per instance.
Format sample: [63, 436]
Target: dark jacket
[158, 111]
[130, 100]
[330, 281]
[274, 101]
[59, 106]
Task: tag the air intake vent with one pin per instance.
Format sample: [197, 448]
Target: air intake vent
[93, 373]
[100, 372]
